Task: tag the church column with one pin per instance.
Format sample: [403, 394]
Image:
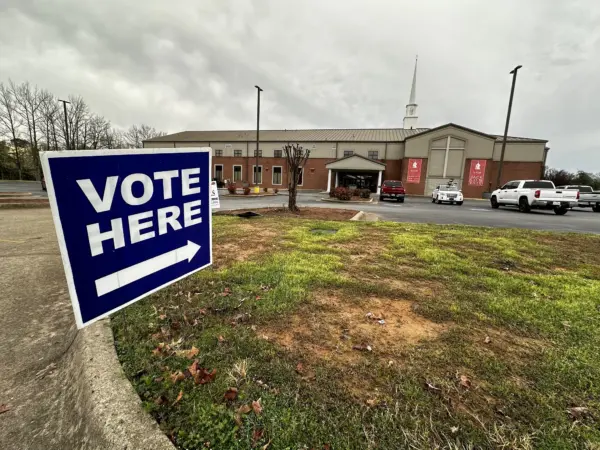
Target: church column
[328, 181]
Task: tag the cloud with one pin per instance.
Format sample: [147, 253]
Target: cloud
[193, 65]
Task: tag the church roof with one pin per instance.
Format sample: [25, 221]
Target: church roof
[320, 135]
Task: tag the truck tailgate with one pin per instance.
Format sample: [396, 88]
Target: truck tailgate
[558, 195]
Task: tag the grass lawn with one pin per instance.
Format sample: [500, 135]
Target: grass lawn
[476, 338]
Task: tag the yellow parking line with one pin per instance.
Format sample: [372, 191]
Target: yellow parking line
[12, 242]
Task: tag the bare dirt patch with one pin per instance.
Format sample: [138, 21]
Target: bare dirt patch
[251, 239]
[344, 331]
[304, 213]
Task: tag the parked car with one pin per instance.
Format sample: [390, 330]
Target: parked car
[447, 193]
[43, 184]
[529, 194]
[588, 198]
[392, 189]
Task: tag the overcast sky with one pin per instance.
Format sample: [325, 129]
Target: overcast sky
[192, 65]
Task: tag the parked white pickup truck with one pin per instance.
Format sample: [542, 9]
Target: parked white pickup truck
[539, 194]
[587, 196]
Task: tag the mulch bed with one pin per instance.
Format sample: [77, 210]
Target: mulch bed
[304, 213]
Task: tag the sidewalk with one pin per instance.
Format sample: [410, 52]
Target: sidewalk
[36, 329]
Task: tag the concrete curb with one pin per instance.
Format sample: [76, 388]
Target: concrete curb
[24, 205]
[110, 408]
[358, 216]
[365, 217]
[344, 201]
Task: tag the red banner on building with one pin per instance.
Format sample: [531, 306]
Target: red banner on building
[477, 172]
[414, 171]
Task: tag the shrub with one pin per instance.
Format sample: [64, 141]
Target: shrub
[231, 188]
[342, 193]
[276, 190]
[265, 189]
[365, 193]
[332, 193]
[356, 192]
[246, 191]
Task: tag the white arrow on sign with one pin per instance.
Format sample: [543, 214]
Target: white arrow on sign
[138, 271]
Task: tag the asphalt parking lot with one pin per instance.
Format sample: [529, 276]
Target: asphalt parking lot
[421, 210]
[414, 209]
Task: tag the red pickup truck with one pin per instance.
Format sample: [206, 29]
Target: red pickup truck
[392, 189]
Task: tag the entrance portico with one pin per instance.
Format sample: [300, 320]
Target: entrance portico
[356, 172]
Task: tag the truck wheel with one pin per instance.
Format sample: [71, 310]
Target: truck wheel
[439, 202]
[494, 202]
[432, 199]
[524, 205]
[380, 198]
[459, 203]
[596, 207]
[560, 211]
[401, 200]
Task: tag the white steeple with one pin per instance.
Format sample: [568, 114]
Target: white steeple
[411, 117]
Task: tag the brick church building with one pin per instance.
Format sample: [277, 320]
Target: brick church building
[421, 157]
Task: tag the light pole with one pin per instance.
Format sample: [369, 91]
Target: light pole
[510, 101]
[259, 90]
[64, 102]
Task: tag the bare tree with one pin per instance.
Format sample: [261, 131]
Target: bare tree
[49, 113]
[10, 121]
[29, 100]
[296, 158]
[136, 135]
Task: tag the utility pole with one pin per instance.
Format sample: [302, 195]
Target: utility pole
[64, 102]
[510, 101]
[259, 90]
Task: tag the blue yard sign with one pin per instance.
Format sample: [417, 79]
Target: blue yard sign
[129, 222]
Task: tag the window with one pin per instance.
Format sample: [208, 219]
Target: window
[538, 185]
[219, 172]
[277, 174]
[218, 152]
[237, 173]
[511, 185]
[301, 176]
[348, 153]
[395, 184]
[278, 153]
[373, 154]
[259, 153]
[237, 153]
[257, 178]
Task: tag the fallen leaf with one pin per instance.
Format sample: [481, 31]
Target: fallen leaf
[371, 402]
[226, 292]
[4, 408]
[189, 354]
[264, 447]
[177, 376]
[231, 394]
[326, 447]
[258, 297]
[253, 327]
[487, 340]
[221, 339]
[257, 435]
[203, 376]
[162, 316]
[465, 382]
[193, 368]
[244, 409]
[161, 400]
[158, 379]
[454, 430]
[162, 349]
[238, 420]
[579, 412]
[178, 398]
[300, 368]
[257, 407]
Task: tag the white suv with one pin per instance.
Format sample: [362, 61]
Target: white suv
[445, 193]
